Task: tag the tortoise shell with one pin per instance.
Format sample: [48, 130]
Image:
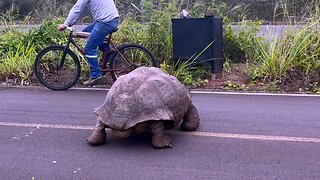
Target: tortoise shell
[145, 94]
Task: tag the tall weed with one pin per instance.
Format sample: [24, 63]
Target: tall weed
[186, 72]
[152, 29]
[18, 63]
[46, 34]
[18, 49]
[294, 57]
[200, 8]
[241, 40]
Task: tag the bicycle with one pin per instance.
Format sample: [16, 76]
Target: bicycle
[56, 60]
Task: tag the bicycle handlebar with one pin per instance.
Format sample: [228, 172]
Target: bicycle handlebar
[70, 29]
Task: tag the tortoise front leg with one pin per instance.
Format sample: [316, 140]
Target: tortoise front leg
[98, 135]
[159, 137]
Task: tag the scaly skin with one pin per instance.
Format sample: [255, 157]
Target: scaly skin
[191, 119]
[160, 139]
[98, 135]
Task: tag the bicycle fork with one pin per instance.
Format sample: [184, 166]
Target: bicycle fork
[61, 62]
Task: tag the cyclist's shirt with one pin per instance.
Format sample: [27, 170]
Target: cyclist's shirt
[101, 10]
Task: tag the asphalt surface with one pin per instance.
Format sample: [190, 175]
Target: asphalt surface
[43, 136]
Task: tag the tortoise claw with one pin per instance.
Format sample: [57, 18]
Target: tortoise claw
[97, 137]
[160, 142]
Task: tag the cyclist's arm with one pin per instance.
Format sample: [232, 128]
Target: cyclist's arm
[75, 13]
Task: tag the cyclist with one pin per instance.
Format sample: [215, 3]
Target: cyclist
[106, 20]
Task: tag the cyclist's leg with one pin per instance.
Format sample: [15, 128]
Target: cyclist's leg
[98, 33]
[89, 27]
[108, 28]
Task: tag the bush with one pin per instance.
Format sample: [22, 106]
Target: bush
[240, 44]
[45, 35]
[291, 59]
[186, 72]
[18, 49]
[152, 30]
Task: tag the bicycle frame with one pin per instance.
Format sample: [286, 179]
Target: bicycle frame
[103, 67]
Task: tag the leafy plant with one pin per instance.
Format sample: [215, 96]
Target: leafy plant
[18, 49]
[229, 85]
[315, 87]
[200, 8]
[152, 29]
[45, 35]
[186, 72]
[299, 50]
[271, 87]
[240, 44]
[18, 63]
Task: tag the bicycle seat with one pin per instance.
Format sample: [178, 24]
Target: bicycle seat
[86, 34]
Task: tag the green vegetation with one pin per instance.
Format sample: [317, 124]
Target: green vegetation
[297, 52]
[186, 72]
[18, 49]
[293, 10]
[291, 59]
[241, 45]
[234, 86]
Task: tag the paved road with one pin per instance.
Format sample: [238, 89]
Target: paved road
[43, 136]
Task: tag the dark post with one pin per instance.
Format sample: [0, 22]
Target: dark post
[217, 63]
[192, 35]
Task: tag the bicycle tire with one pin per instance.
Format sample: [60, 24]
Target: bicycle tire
[136, 54]
[46, 71]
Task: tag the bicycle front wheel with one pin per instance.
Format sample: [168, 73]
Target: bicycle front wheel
[57, 69]
[131, 56]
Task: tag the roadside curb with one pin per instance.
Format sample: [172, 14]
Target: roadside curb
[192, 91]
[253, 93]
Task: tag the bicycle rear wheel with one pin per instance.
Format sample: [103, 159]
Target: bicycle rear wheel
[131, 56]
[53, 72]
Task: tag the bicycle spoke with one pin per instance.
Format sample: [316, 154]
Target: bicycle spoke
[131, 57]
[53, 73]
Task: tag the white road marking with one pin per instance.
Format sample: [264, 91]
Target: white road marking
[192, 91]
[251, 137]
[194, 133]
[54, 126]
[255, 94]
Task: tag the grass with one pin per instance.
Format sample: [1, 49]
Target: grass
[19, 49]
[298, 50]
[186, 72]
[18, 63]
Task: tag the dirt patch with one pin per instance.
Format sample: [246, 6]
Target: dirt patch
[236, 74]
[237, 79]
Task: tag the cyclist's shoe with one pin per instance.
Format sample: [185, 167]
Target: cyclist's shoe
[92, 82]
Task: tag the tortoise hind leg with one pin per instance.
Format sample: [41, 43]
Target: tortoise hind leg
[190, 120]
[98, 135]
[159, 137]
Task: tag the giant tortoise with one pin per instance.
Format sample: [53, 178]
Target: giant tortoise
[145, 100]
